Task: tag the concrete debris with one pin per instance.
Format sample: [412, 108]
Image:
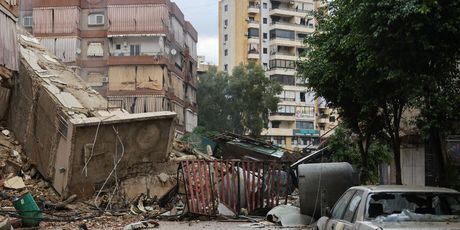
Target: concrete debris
[6, 132]
[5, 223]
[142, 225]
[163, 177]
[288, 216]
[14, 183]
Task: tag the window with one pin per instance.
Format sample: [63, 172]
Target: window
[286, 109]
[303, 140]
[304, 124]
[285, 34]
[96, 19]
[352, 207]
[134, 50]
[253, 32]
[332, 119]
[118, 47]
[27, 21]
[265, 5]
[95, 49]
[276, 124]
[226, 8]
[305, 112]
[287, 96]
[265, 52]
[280, 63]
[225, 23]
[226, 37]
[302, 96]
[283, 79]
[279, 140]
[226, 67]
[265, 66]
[226, 52]
[265, 35]
[265, 20]
[341, 205]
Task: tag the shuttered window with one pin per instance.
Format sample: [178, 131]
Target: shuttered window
[95, 50]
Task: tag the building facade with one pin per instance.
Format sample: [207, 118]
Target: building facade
[271, 33]
[140, 54]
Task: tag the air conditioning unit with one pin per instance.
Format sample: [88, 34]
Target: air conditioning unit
[105, 79]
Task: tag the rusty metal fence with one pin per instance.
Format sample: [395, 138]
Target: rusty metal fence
[242, 186]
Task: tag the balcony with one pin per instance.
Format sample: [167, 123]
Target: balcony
[255, 40]
[253, 54]
[253, 24]
[281, 117]
[253, 9]
[292, 26]
[288, 11]
[283, 56]
[278, 132]
[281, 71]
[286, 42]
[137, 60]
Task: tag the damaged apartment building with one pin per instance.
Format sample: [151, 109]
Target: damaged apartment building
[139, 54]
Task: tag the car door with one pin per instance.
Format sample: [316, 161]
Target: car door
[344, 217]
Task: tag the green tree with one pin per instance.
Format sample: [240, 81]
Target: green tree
[375, 59]
[237, 103]
[345, 149]
[214, 107]
[252, 95]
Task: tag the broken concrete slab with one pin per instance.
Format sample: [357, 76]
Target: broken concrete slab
[288, 216]
[15, 182]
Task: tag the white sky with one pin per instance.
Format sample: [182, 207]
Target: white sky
[203, 14]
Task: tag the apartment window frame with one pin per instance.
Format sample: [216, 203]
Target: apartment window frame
[279, 140]
[29, 19]
[283, 79]
[93, 19]
[253, 33]
[226, 52]
[276, 124]
[265, 51]
[304, 125]
[225, 7]
[265, 20]
[134, 50]
[265, 5]
[265, 35]
[225, 37]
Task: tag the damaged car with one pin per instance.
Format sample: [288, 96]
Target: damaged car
[394, 207]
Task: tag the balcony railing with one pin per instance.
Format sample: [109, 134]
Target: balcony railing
[293, 24]
[290, 9]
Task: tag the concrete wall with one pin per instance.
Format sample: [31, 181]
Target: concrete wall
[140, 144]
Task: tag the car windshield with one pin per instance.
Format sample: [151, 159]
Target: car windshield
[413, 206]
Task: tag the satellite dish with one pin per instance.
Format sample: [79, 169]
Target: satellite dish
[173, 51]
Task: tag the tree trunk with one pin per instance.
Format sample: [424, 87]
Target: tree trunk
[364, 174]
[397, 158]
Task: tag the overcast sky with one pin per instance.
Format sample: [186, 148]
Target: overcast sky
[203, 14]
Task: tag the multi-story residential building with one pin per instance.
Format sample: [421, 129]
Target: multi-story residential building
[8, 43]
[271, 33]
[140, 54]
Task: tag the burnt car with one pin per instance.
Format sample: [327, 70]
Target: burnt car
[394, 207]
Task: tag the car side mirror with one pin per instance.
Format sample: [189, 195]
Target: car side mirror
[328, 212]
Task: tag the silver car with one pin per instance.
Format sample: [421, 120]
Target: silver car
[394, 207]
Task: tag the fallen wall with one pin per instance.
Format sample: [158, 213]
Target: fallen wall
[75, 139]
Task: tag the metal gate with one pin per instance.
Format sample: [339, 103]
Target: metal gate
[242, 186]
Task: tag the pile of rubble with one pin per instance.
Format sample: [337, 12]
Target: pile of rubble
[18, 177]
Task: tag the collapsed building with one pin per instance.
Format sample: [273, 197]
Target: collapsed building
[75, 138]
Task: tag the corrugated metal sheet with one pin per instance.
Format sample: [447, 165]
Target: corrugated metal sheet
[8, 43]
[43, 20]
[138, 104]
[138, 18]
[66, 19]
[64, 48]
[56, 20]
